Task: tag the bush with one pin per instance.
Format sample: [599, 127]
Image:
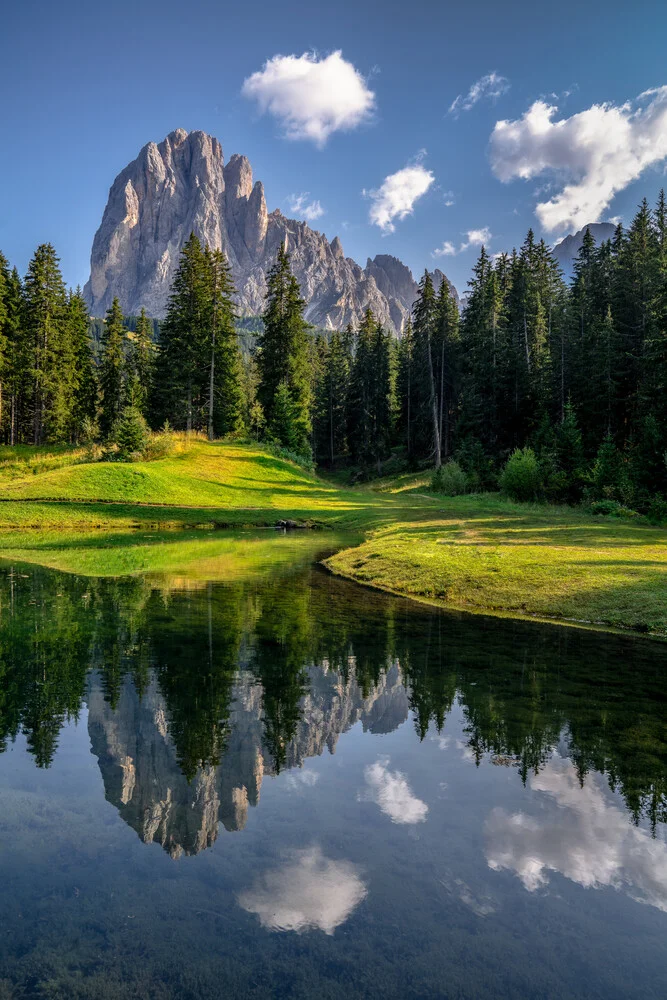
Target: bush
[521, 479]
[450, 480]
[657, 511]
[158, 446]
[303, 461]
[612, 508]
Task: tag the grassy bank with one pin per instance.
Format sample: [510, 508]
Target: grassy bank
[479, 553]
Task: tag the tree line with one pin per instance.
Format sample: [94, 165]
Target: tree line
[567, 382]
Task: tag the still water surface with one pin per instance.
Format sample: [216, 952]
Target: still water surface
[251, 779]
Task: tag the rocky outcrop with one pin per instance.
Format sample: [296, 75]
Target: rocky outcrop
[139, 763]
[182, 185]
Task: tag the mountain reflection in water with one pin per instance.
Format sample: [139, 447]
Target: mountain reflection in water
[195, 695]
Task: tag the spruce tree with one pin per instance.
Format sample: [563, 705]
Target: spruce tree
[283, 355]
[181, 385]
[112, 368]
[44, 317]
[141, 353]
[225, 375]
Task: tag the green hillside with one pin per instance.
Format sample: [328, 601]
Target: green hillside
[479, 553]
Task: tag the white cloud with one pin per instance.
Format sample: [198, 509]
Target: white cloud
[309, 892]
[299, 204]
[594, 154]
[473, 238]
[491, 86]
[396, 196]
[582, 833]
[391, 792]
[449, 200]
[311, 97]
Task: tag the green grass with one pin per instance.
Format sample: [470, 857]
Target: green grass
[479, 553]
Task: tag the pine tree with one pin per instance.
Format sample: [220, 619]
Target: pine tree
[331, 396]
[359, 404]
[284, 350]
[181, 388]
[426, 424]
[45, 303]
[18, 368]
[84, 383]
[4, 339]
[446, 347]
[225, 392]
[404, 387]
[140, 367]
[112, 369]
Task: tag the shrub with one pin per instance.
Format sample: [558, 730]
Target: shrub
[521, 479]
[159, 446]
[450, 480]
[612, 508]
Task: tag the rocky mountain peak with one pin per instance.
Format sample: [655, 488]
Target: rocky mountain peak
[182, 185]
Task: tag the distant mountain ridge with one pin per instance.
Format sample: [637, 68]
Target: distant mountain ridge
[182, 185]
[566, 251]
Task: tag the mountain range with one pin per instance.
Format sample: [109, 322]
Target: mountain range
[183, 185]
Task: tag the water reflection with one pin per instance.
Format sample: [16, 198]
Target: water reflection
[582, 833]
[196, 694]
[308, 892]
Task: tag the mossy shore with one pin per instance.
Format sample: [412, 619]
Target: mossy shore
[478, 553]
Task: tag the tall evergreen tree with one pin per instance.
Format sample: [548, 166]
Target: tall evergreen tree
[225, 393]
[112, 368]
[181, 384]
[44, 318]
[284, 350]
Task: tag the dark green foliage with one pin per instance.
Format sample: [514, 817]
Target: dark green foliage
[112, 377]
[141, 355]
[331, 398]
[609, 479]
[283, 357]
[370, 396]
[130, 432]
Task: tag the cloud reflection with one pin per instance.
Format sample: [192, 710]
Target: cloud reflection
[391, 792]
[309, 892]
[590, 840]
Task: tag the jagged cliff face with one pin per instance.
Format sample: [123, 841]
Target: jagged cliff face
[142, 777]
[181, 186]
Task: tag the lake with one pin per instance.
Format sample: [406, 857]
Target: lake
[226, 773]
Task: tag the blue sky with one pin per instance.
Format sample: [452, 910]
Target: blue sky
[85, 86]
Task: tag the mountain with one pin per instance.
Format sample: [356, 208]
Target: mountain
[182, 185]
[566, 251]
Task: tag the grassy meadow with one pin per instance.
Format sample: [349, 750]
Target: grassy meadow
[478, 553]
